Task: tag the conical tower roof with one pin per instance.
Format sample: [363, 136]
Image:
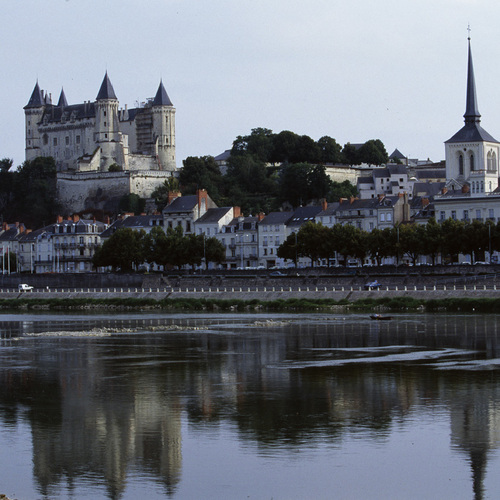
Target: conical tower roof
[36, 99]
[106, 91]
[62, 100]
[471, 131]
[471, 111]
[161, 98]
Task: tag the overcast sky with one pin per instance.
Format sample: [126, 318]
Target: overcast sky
[393, 70]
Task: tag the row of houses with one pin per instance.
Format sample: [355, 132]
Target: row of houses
[68, 245]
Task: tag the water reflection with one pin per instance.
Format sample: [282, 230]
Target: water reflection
[102, 408]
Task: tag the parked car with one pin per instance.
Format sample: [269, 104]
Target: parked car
[24, 287]
[275, 274]
[372, 285]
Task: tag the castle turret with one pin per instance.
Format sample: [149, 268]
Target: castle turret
[33, 112]
[107, 132]
[164, 129]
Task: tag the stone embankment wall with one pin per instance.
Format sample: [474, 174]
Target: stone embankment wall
[246, 287]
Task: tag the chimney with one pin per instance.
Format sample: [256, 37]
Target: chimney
[465, 188]
[236, 212]
[425, 202]
[352, 199]
[381, 197]
[69, 217]
[260, 216]
[324, 204]
[107, 220]
[342, 200]
[76, 218]
[59, 219]
[444, 190]
[5, 226]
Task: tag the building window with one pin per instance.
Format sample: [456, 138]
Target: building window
[55, 141]
[478, 213]
[460, 165]
[382, 217]
[454, 214]
[471, 163]
[77, 139]
[491, 213]
[466, 215]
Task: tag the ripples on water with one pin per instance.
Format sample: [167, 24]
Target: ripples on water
[257, 406]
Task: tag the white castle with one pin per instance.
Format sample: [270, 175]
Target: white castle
[102, 152]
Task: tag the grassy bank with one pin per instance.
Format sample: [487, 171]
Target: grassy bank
[470, 305]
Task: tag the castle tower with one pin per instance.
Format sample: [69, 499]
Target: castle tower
[33, 112]
[107, 132]
[164, 129]
[472, 153]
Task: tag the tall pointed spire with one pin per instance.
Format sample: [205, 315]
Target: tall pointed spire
[36, 99]
[471, 111]
[106, 91]
[62, 100]
[161, 98]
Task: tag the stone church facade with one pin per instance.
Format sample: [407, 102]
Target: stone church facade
[102, 152]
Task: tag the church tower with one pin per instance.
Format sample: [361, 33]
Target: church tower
[164, 129]
[33, 112]
[107, 132]
[472, 153]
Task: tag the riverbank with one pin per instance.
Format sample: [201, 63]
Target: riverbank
[373, 303]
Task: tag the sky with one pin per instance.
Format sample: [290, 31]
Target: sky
[393, 70]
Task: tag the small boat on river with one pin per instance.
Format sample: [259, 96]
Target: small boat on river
[380, 317]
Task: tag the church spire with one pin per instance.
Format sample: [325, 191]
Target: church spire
[471, 112]
[62, 103]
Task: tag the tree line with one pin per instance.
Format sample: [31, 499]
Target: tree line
[266, 171]
[126, 249]
[448, 239]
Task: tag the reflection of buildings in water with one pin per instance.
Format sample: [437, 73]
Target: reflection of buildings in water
[475, 425]
[101, 423]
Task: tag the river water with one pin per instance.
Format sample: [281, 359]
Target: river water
[249, 406]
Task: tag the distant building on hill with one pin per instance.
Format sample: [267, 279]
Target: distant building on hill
[102, 152]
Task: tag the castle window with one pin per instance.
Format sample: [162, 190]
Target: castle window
[67, 140]
[78, 139]
[45, 139]
[55, 141]
[105, 136]
[104, 123]
[105, 115]
[471, 162]
[460, 165]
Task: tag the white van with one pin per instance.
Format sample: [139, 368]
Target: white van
[23, 287]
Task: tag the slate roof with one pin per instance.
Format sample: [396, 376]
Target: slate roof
[380, 172]
[161, 98]
[428, 189]
[358, 204]
[303, 215]
[437, 173]
[36, 99]
[182, 204]
[213, 215]
[106, 91]
[133, 221]
[274, 218]
[78, 111]
[330, 210]
[397, 169]
[471, 132]
[396, 154]
[62, 99]
[223, 156]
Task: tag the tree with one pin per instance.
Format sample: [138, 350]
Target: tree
[201, 173]
[350, 155]
[6, 164]
[214, 251]
[341, 190]
[373, 152]
[331, 151]
[132, 203]
[260, 144]
[288, 250]
[123, 250]
[379, 244]
[433, 239]
[285, 144]
[312, 242]
[160, 193]
[476, 239]
[294, 183]
[453, 235]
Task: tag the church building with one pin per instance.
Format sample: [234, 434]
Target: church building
[471, 191]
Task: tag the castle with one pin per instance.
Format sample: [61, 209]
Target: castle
[102, 152]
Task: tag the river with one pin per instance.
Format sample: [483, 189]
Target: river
[249, 406]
